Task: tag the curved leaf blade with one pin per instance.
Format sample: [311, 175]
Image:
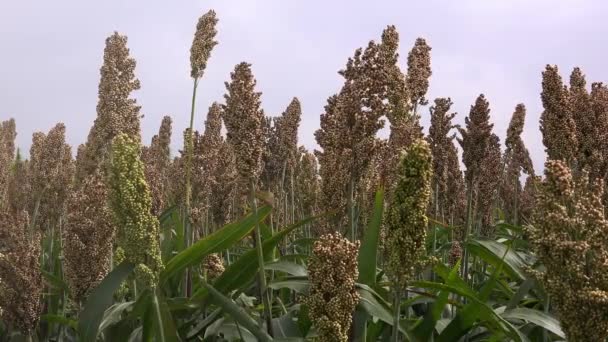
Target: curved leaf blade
[216, 242]
[99, 300]
[368, 252]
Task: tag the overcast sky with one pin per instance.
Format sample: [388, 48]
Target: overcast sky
[51, 51]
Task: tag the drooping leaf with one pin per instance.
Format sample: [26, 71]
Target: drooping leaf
[164, 326]
[241, 272]
[377, 307]
[492, 252]
[424, 330]
[99, 300]
[300, 285]
[287, 267]
[213, 243]
[541, 319]
[236, 312]
[368, 252]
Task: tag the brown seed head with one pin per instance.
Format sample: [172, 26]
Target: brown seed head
[244, 121]
[203, 43]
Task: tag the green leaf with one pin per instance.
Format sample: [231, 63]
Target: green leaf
[203, 324]
[368, 252]
[298, 285]
[492, 252]
[237, 313]
[424, 331]
[99, 300]
[541, 319]
[287, 267]
[478, 309]
[114, 314]
[214, 243]
[55, 282]
[523, 290]
[377, 307]
[285, 328]
[164, 325]
[241, 272]
[60, 320]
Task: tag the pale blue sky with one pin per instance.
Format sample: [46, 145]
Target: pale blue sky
[51, 52]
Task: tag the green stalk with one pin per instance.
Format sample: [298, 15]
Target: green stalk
[258, 246]
[188, 229]
[465, 273]
[396, 313]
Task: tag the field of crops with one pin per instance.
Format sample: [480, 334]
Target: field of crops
[244, 235]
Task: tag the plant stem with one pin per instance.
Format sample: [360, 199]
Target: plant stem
[396, 313]
[258, 246]
[189, 152]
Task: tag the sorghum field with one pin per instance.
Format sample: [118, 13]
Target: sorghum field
[247, 236]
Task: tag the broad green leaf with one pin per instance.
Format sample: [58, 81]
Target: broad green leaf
[537, 317]
[164, 326]
[285, 328]
[241, 272]
[114, 314]
[200, 326]
[377, 307]
[237, 313]
[523, 290]
[368, 252]
[298, 285]
[478, 309]
[492, 252]
[99, 300]
[287, 267]
[424, 330]
[214, 243]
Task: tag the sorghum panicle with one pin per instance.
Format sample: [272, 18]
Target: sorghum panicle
[8, 134]
[517, 161]
[21, 283]
[556, 122]
[307, 182]
[213, 265]
[51, 169]
[157, 159]
[203, 43]
[244, 121]
[332, 270]
[440, 141]
[406, 220]
[117, 112]
[88, 235]
[224, 188]
[418, 71]
[570, 237]
[131, 203]
[475, 139]
[490, 176]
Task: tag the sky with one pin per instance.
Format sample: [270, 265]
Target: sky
[51, 52]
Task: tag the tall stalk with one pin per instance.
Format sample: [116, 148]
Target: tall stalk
[260, 252]
[188, 236]
[469, 219]
[396, 313]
